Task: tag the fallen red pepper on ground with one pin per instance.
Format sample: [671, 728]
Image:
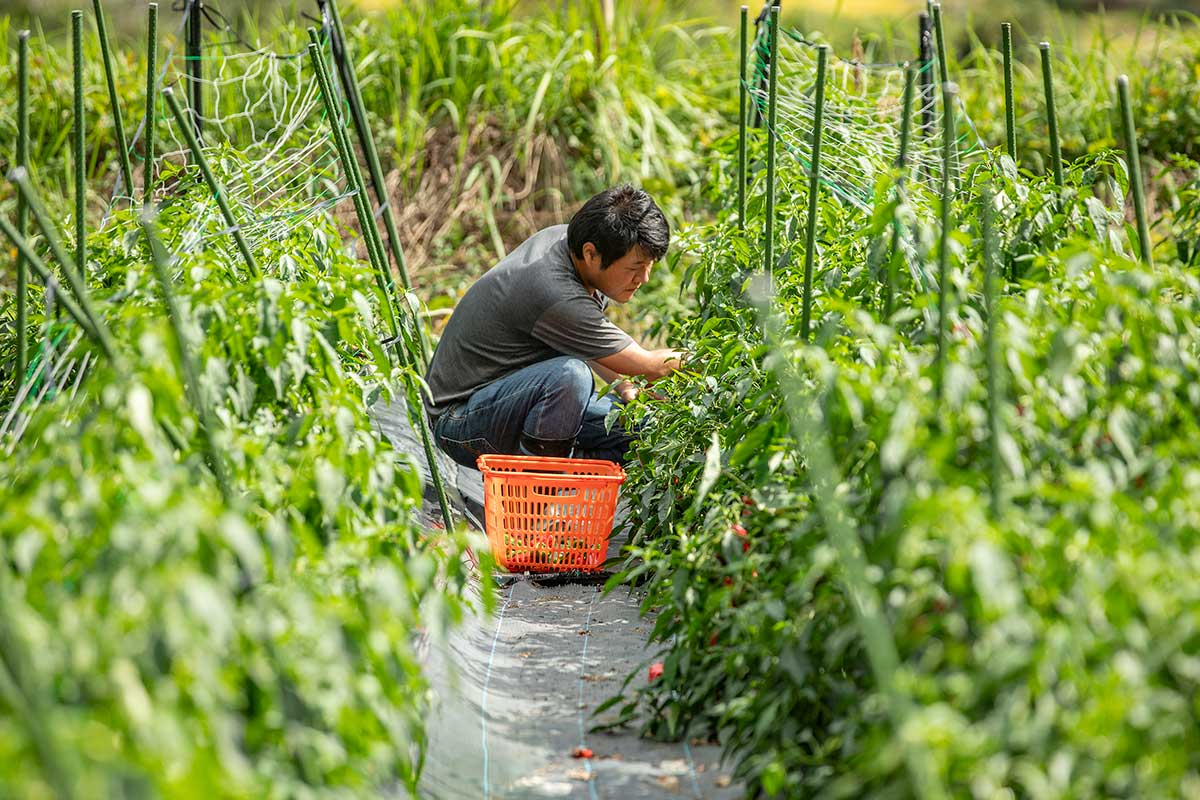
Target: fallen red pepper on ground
[656, 670]
[582, 752]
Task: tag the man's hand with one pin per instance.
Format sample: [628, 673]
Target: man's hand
[625, 390]
[637, 360]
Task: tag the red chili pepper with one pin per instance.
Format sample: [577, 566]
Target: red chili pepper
[656, 670]
[582, 752]
[728, 581]
[738, 529]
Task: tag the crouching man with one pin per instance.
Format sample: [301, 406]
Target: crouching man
[513, 372]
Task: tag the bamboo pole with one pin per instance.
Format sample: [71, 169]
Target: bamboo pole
[216, 188]
[987, 213]
[949, 93]
[1051, 114]
[113, 100]
[22, 210]
[342, 143]
[151, 99]
[1010, 113]
[1135, 171]
[772, 88]
[187, 360]
[814, 186]
[78, 146]
[742, 97]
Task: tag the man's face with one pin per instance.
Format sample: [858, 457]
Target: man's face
[620, 279]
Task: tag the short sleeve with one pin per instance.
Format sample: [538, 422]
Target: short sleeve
[577, 327]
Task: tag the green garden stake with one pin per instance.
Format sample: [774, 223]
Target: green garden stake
[20, 179]
[187, 361]
[1135, 170]
[371, 234]
[78, 142]
[194, 64]
[359, 118]
[26, 251]
[925, 59]
[367, 140]
[218, 191]
[113, 101]
[1051, 115]
[814, 186]
[772, 88]
[742, 97]
[889, 289]
[1010, 113]
[987, 213]
[944, 76]
[22, 210]
[151, 100]
[943, 66]
[362, 208]
[949, 94]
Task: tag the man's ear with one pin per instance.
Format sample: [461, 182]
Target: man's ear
[591, 256]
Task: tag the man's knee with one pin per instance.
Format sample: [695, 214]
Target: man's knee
[573, 382]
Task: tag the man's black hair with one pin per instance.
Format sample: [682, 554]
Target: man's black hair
[617, 219]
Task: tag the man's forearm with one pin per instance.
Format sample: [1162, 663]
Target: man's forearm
[607, 375]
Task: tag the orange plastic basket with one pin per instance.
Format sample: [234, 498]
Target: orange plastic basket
[549, 514]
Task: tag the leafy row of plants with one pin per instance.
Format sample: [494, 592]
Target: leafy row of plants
[167, 633]
[1037, 579]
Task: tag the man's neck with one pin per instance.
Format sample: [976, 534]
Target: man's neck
[575, 262]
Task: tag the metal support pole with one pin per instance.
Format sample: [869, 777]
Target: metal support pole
[78, 142]
[940, 37]
[1135, 171]
[889, 290]
[113, 100]
[371, 234]
[22, 209]
[1051, 115]
[187, 360]
[925, 62]
[1010, 112]
[814, 186]
[195, 66]
[362, 206]
[151, 99]
[772, 88]
[216, 188]
[987, 214]
[949, 93]
[358, 111]
[20, 178]
[742, 97]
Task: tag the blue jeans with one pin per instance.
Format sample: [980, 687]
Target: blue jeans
[549, 409]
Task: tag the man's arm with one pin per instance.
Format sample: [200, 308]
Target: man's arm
[637, 360]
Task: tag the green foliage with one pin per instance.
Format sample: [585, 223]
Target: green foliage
[1048, 650]
[159, 640]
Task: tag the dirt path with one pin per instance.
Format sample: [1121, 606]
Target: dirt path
[515, 690]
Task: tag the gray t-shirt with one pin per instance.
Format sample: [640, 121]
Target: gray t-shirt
[529, 308]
